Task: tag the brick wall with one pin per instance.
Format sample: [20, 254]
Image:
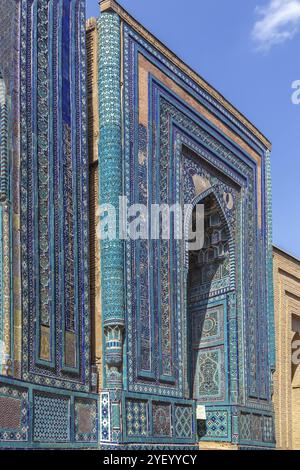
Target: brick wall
[287, 312]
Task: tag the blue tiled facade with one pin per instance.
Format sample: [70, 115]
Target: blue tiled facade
[179, 332]
[45, 320]
[179, 144]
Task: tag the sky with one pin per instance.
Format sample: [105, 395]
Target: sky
[249, 51]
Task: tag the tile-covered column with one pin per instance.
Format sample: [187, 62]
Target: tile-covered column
[110, 164]
[269, 261]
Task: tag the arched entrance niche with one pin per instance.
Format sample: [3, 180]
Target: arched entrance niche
[210, 278]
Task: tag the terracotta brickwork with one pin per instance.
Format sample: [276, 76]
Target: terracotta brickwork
[286, 377]
[93, 142]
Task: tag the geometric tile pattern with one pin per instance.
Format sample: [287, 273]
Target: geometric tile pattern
[161, 415]
[104, 417]
[245, 427]
[268, 429]
[208, 325]
[183, 421]
[111, 188]
[256, 425]
[51, 418]
[85, 421]
[13, 414]
[137, 418]
[153, 170]
[151, 418]
[10, 413]
[7, 37]
[217, 424]
[48, 176]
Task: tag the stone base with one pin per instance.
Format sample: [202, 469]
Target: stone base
[204, 445]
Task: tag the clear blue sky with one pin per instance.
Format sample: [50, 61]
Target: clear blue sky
[215, 37]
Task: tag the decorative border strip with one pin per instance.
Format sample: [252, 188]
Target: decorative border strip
[59, 376]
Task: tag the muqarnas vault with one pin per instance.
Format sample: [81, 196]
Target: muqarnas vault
[121, 343]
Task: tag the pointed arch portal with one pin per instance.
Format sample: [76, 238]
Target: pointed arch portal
[209, 278]
[207, 268]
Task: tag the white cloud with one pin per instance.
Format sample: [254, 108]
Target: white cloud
[278, 21]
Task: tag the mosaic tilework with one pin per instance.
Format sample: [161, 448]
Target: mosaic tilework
[110, 145]
[165, 327]
[256, 427]
[57, 116]
[85, 421]
[10, 416]
[116, 424]
[183, 422]
[245, 427]
[149, 447]
[4, 144]
[7, 39]
[207, 325]
[149, 420]
[104, 417]
[217, 424]
[157, 351]
[40, 76]
[13, 414]
[253, 337]
[51, 419]
[179, 158]
[209, 374]
[161, 416]
[233, 346]
[116, 414]
[144, 325]
[268, 429]
[41, 149]
[154, 339]
[110, 189]
[137, 418]
[269, 261]
[57, 419]
[209, 367]
[4, 215]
